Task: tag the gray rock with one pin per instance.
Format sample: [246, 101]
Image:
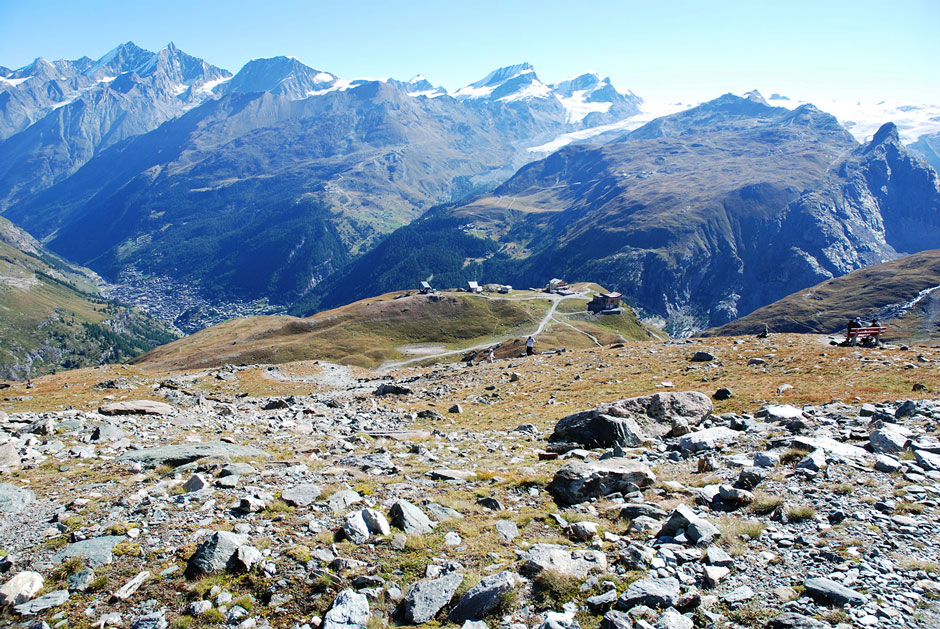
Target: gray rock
[215, 554]
[107, 432]
[482, 598]
[716, 556]
[633, 510]
[81, 580]
[339, 501]
[673, 620]
[927, 460]
[702, 357]
[245, 558]
[751, 477]
[555, 558]
[156, 620]
[907, 409]
[52, 599]
[738, 595]
[603, 601]
[597, 430]
[766, 459]
[237, 469]
[95, 550]
[350, 611]
[708, 439]
[410, 518]
[831, 446]
[507, 530]
[815, 461]
[427, 598]
[887, 441]
[616, 620]
[652, 592]
[651, 416]
[792, 620]
[9, 456]
[301, 495]
[828, 592]
[442, 513]
[22, 587]
[886, 463]
[684, 518]
[578, 481]
[136, 407]
[474, 624]
[389, 388]
[182, 454]
[197, 482]
[13, 499]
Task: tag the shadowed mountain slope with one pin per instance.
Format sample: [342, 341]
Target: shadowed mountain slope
[697, 218]
[901, 293]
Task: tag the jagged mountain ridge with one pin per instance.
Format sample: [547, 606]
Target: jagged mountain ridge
[59, 114]
[55, 116]
[277, 150]
[698, 217]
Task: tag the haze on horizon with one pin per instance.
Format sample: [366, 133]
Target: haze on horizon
[679, 50]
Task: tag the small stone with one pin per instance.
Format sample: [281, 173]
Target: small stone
[739, 595]
[814, 461]
[507, 530]
[197, 482]
[829, 592]
[301, 495]
[482, 598]
[714, 574]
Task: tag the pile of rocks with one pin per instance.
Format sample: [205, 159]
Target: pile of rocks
[343, 509]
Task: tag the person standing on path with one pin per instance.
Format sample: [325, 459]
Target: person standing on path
[529, 346]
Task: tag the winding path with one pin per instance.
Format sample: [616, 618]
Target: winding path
[555, 299]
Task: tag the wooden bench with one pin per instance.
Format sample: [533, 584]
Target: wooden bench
[865, 332]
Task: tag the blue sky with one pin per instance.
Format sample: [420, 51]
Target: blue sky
[666, 50]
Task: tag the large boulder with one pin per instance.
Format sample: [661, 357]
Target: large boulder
[578, 481]
[597, 430]
[555, 558]
[483, 597]
[428, 597]
[632, 421]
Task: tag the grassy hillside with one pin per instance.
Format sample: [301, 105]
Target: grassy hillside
[52, 316]
[400, 326]
[879, 290]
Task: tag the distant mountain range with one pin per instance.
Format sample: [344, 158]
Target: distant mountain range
[288, 183]
[698, 218]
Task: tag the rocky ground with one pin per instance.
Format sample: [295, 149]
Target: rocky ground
[707, 483]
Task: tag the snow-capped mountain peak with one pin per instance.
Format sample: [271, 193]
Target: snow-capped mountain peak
[516, 82]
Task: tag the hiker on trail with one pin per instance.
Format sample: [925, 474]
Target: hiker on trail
[529, 346]
[490, 356]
